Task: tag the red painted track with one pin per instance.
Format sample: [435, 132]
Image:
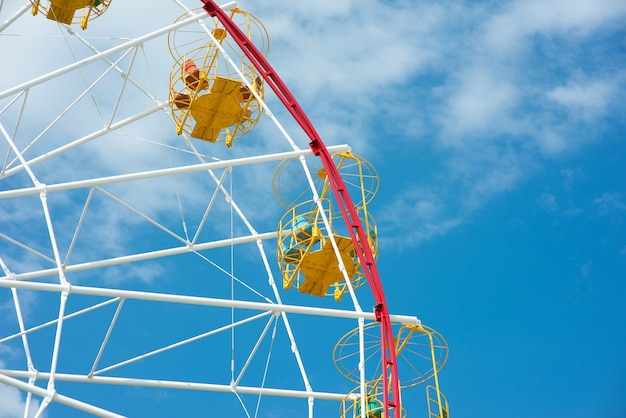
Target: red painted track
[391, 386]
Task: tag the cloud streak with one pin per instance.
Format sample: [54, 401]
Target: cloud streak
[12, 405]
[512, 88]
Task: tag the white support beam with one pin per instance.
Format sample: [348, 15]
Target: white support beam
[169, 384]
[24, 9]
[86, 61]
[55, 396]
[49, 188]
[168, 252]
[201, 301]
[80, 141]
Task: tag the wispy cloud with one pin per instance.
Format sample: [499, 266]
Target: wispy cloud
[12, 405]
[591, 96]
[419, 214]
[548, 202]
[512, 88]
[493, 90]
[611, 203]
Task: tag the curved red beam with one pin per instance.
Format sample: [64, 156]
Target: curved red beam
[348, 210]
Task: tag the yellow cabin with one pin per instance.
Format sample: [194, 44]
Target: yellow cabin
[71, 11]
[210, 100]
[306, 255]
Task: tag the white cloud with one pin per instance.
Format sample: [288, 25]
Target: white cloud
[145, 273]
[506, 31]
[610, 203]
[12, 404]
[414, 217]
[480, 104]
[550, 141]
[28, 303]
[569, 175]
[485, 102]
[516, 84]
[548, 202]
[587, 99]
[350, 54]
[498, 84]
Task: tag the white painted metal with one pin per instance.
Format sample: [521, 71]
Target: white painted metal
[24, 161]
[26, 7]
[201, 301]
[50, 188]
[80, 141]
[102, 55]
[168, 384]
[54, 396]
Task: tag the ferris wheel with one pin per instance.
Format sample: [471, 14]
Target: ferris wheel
[162, 253]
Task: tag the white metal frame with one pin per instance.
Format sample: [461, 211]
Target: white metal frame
[39, 279]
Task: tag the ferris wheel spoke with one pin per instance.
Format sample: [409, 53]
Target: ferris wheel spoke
[27, 248]
[114, 65]
[180, 343]
[271, 321]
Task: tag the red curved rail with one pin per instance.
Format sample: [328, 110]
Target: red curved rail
[348, 210]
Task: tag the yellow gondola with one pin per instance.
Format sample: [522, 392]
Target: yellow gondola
[306, 254]
[66, 11]
[211, 100]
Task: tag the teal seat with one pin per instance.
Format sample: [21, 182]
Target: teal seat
[302, 229]
[291, 254]
[374, 408]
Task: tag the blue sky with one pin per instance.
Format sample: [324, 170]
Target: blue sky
[498, 129]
